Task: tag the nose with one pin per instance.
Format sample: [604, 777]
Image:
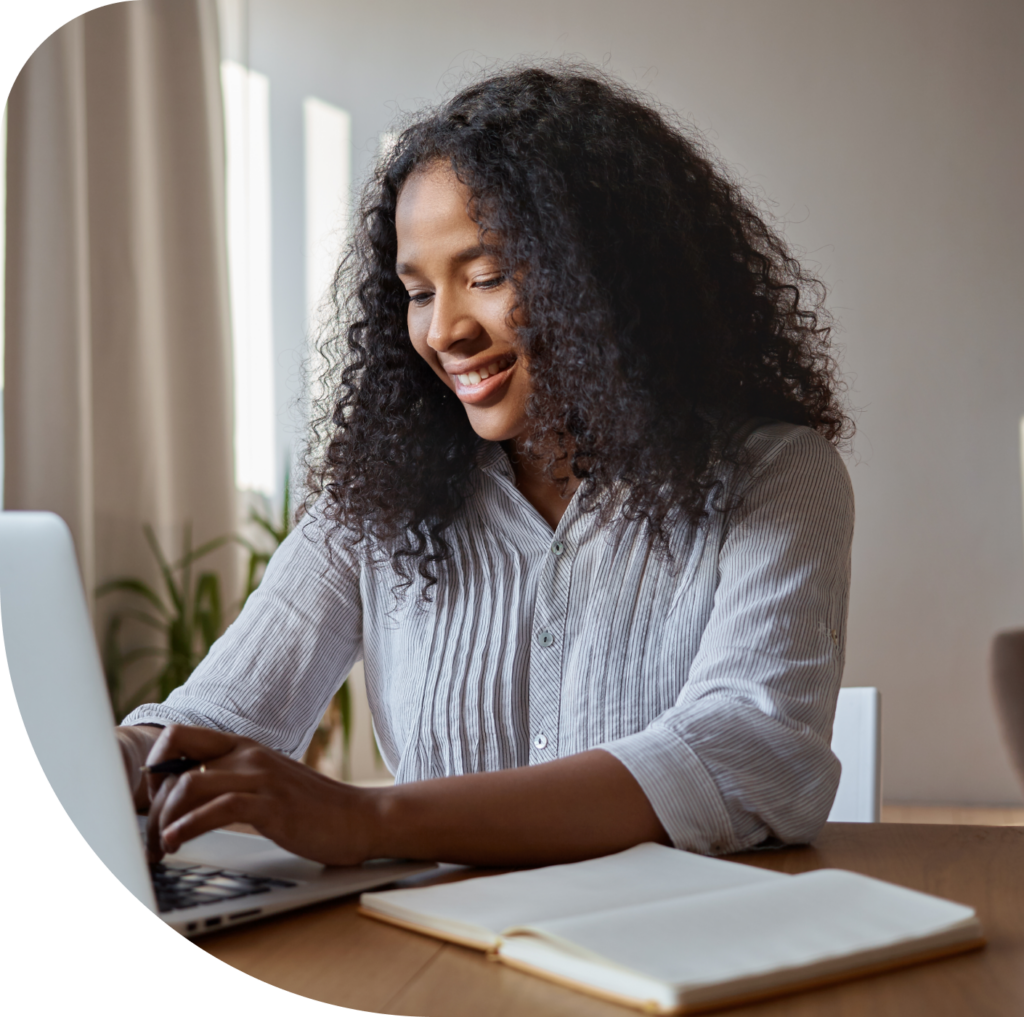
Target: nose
[450, 322]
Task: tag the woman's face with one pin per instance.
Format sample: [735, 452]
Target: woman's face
[459, 303]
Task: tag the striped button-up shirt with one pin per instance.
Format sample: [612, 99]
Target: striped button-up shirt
[712, 677]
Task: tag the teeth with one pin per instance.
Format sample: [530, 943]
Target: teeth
[475, 377]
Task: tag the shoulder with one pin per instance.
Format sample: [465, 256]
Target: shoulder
[792, 479]
[318, 546]
[795, 455]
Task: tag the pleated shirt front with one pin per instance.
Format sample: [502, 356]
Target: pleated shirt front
[713, 679]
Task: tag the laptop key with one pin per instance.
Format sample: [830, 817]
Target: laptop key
[228, 881]
[180, 887]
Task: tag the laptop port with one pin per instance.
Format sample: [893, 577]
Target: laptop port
[192, 926]
[211, 922]
[244, 914]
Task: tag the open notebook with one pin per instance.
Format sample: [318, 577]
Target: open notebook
[671, 932]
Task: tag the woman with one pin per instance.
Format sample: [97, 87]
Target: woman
[574, 499]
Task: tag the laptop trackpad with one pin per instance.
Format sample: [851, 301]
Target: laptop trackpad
[245, 852]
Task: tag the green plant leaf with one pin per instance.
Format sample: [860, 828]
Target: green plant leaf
[112, 664]
[127, 585]
[165, 568]
[245, 542]
[257, 561]
[141, 653]
[343, 697]
[200, 552]
[207, 609]
[144, 619]
[195, 613]
[187, 596]
[267, 525]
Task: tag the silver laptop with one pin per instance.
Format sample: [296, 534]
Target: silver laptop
[215, 881]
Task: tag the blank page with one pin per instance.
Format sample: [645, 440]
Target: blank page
[647, 872]
[815, 924]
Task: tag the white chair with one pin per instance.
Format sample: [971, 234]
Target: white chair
[856, 741]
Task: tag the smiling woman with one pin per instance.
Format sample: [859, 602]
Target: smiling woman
[575, 500]
[460, 303]
[460, 321]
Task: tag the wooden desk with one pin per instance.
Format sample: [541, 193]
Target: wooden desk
[332, 954]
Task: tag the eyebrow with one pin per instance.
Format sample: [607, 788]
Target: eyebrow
[466, 254]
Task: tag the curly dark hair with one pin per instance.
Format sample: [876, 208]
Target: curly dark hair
[657, 308]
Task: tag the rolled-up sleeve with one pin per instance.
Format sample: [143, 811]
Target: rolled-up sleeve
[273, 672]
[744, 753]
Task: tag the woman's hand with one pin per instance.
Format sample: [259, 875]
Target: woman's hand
[242, 781]
[573, 808]
[135, 743]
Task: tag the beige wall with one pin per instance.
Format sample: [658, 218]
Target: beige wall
[888, 134]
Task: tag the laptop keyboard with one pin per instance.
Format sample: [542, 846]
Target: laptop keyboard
[188, 886]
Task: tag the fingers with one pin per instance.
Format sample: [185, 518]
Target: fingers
[178, 741]
[297, 808]
[233, 807]
[177, 796]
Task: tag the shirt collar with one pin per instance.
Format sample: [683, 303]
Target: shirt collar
[491, 458]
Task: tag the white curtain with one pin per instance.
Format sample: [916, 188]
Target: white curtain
[118, 354]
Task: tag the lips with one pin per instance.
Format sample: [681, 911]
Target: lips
[482, 379]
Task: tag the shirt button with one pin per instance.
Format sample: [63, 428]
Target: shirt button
[557, 548]
[545, 638]
[540, 742]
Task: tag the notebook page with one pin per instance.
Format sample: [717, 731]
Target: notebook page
[647, 872]
[748, 938]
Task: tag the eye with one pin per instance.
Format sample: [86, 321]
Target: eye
[420, 297]
[490, 283]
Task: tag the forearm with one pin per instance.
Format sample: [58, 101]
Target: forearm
[579, 807]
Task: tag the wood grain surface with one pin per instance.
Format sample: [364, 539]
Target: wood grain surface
[335, 955]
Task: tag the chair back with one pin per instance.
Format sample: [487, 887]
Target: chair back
[856, 741]
[1007, 668]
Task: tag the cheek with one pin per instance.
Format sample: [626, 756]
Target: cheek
[521, 393]
[418, 337]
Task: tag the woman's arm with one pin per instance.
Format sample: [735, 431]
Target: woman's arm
[136, 743]
[272, 674]
[578, 807]
[744, 753]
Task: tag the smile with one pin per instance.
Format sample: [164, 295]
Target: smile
[476, 385]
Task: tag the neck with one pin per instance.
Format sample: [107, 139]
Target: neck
[548, 492]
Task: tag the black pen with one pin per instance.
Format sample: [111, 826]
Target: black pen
[175, 766]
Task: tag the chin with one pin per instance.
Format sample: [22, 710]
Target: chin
[495, 430]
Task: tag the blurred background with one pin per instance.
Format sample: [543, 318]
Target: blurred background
[179, 179]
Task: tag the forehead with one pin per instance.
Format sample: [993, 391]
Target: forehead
[432, 210]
